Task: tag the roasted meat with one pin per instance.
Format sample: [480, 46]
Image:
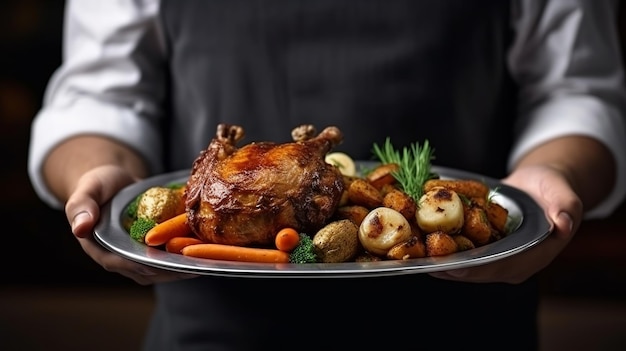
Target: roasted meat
[244, 196]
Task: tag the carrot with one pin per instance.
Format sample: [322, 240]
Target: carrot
[176, 244]
[235, 253]
[170, 228]
[287, 239]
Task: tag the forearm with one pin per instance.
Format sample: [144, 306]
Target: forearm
[70, 160]
[587, 164]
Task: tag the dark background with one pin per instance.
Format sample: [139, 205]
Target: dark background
[38, 249]
[45, 272]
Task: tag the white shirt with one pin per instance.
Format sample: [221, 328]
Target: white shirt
[565, 57]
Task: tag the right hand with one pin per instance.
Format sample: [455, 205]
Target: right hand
[95, 188]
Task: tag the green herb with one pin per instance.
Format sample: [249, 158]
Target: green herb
[492, 194]
[414, 162]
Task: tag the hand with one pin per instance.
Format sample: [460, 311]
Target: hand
[562, 207]
[82, 209]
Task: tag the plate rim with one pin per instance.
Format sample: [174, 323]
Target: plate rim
[534, 227]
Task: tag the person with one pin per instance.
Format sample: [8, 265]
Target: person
[528, 91]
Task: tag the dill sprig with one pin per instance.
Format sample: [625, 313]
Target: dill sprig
[414, 162]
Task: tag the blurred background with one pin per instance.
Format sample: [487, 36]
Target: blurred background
[52, 296]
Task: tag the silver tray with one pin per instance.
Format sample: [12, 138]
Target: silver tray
[527, 224]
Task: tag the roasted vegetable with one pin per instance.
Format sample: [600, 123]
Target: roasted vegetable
[160, 203]
[440, 209]
[343, 162]
[382, 229]
[412, 248]
[440, 243]
[337, 242]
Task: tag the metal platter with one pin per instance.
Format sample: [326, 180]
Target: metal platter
[527, 222]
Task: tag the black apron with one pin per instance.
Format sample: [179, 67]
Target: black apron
[404, 69]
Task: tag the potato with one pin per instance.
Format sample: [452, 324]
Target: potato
[401, 202]
[440, 209]
[355, 213]
[337, 242]
[412, 248]
[477, 227]
[387, 188]
[463, 243]
[497, 215]
[160, 203]
[383, 228]
[382, 175]
[440, 243]
[361, 192]
[343, 162]
[467, 187]
[367, 257]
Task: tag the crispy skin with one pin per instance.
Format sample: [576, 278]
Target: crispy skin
[244, 196]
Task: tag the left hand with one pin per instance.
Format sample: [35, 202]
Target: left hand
[551, 190]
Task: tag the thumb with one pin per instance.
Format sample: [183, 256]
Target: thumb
[94, 188]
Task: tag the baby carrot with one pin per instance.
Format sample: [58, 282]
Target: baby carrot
[170, 228]
[176, 244]
[287, 239]
[235, 253]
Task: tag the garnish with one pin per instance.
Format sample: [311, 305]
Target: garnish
[414, 162]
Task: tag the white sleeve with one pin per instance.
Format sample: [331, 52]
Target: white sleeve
[110, 83]
[566, 58]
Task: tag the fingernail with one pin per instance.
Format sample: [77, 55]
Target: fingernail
[564, 216]
[79, 219]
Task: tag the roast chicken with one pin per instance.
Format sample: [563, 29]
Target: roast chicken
[244, 196]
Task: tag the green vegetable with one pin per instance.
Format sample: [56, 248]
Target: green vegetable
[131, 209]
[175, 185]
[414, 162]
[140, 227]
[304, 252]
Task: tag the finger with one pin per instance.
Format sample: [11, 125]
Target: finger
[94, 189]
[554, 194]
[139, 273]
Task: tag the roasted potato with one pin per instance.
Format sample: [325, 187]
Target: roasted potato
[440, 243]
[497, 215]
[440, 209]
[367, 257]
[383, 228]
[401, 202]
[355, 213]
[467, 187]
[336, 242]
[361, 192]
[476, 227]
[343, 162]
[160, 203]
[463, 243]
[412, 248]
[382, 175]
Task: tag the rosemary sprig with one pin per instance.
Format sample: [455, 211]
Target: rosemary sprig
[414, 162]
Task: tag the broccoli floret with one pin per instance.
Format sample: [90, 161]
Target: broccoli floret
[140, 227]
[131, 209]
[176, 185]
[304, 252]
